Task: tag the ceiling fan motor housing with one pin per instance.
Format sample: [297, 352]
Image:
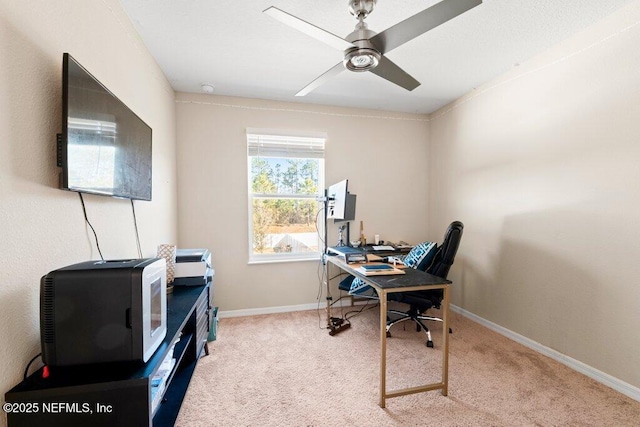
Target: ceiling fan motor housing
[364, 56]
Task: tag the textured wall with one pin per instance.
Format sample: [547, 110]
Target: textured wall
[41, 227]
[384, 156]
[542, 166]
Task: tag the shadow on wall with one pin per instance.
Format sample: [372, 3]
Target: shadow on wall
[546, 296]
[31, 82]
[544, 276]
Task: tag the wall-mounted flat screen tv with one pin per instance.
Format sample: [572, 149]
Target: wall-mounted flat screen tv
[105, 148]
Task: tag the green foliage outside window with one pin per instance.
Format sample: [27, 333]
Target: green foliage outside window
[284, 202]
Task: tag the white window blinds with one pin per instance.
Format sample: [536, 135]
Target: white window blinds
[285, 146]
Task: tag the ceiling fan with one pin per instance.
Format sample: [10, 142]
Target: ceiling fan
[364, 49]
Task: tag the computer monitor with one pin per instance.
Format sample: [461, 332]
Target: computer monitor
[349, 209]
[337, 195]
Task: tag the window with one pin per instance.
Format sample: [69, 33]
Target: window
[286, 173]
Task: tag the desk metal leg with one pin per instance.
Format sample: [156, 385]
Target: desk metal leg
[339, 325]
[328, 291]
[383, 347]
[445, 341]
[443, 384]
[383, 294]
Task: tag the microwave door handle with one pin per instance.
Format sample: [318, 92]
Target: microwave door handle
[128, 318]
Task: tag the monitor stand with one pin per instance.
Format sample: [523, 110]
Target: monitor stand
[341, 233]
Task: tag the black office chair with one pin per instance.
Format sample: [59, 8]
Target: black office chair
[421, 301]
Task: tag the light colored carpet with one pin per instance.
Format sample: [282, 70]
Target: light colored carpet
[285, 370]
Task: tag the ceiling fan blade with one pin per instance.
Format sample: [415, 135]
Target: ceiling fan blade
[390, 71]
[307, 28]
[332, 72]
[420, 23]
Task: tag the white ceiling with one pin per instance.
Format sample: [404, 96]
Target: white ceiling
[241, 51]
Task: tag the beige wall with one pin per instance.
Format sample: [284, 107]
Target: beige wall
[42, 227]
[543, 167]
[384, 156]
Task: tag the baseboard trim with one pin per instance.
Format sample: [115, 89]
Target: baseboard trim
[604, 378]
[284, 309]
[266, 310]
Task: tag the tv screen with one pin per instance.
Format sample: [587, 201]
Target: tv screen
[105, 147]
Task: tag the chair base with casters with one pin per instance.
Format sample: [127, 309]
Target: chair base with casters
[419, 303]
[417, 317]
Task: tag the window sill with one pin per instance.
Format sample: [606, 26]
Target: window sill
[316, 258]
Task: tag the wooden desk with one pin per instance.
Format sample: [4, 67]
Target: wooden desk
[413, 280]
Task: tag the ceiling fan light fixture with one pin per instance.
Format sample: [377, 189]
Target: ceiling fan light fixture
[361, 59]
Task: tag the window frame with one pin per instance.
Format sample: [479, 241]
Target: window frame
[285, 144]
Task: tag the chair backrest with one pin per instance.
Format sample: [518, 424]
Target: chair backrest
[447, 251]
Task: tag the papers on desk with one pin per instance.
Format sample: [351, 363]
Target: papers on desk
[400, 246]
[378, 270]
[383, 248]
